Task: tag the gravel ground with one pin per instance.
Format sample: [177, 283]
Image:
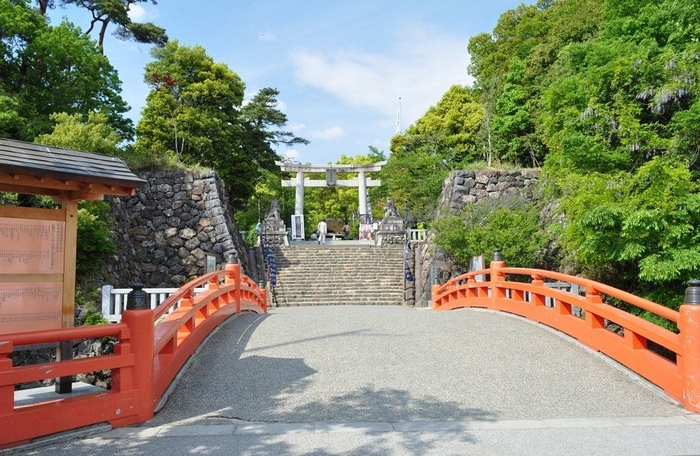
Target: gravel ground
[392, 364]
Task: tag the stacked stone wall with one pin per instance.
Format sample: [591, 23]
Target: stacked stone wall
[165, 232]
[459, 189]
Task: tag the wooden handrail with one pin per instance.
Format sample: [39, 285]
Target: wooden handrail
[677, 372]
[598, 287]
[147, 357]
[182, 330]
[118, 405]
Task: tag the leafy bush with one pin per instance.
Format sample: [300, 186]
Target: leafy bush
[251, 236]
[636, 231]
[94, 237]
[95, 318]
[510, 225]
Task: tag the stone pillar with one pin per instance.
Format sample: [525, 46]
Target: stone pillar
[362, 192]
[299, 195]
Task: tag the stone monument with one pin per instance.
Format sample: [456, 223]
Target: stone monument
[274, 232]
[391, 229]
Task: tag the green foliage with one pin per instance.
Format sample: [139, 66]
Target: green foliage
[47, 69]
[444, 139]
[8, 199]
[94, 135]
[511, 225]
[267, 187]
[95, 318]
[414, 174]
[87, 298]
[261, 114]
[110, 12]
[513, 128]
[452, 126]
[194, 115]
[513, 66]
[251, 236]
[636, 227]
[606, 92]
[94, 236]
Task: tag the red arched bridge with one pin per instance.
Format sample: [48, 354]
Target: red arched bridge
[153, 345]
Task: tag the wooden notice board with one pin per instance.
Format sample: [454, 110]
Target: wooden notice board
[32, 266]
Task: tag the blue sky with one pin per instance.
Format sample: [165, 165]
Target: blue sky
[340, 66]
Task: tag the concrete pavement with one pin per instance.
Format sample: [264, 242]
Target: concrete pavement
[397, 380]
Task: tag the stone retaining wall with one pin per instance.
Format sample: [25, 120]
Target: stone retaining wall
[458, 190]
[166, 230]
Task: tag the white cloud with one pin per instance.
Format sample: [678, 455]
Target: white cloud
[296, 127]
[138, 13]
[290, 154]
[328, 134]
[422, 65]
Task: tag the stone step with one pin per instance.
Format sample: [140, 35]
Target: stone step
[312, 275]
[360, 289]
[367, 297]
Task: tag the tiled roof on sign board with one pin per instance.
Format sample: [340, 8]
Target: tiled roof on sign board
[18, 157]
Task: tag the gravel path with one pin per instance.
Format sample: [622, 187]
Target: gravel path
[394, 364]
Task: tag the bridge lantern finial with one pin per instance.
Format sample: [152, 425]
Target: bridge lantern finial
[137, 299]
[497, 256]
[692, 293]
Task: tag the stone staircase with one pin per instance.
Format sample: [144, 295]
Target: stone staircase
[338, 274]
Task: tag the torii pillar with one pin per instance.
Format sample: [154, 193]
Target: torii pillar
[361, 181]
[299, 194]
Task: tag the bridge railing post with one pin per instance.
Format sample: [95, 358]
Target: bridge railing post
[497, 277]
[689, 326]
[234, 276]
[138, 316]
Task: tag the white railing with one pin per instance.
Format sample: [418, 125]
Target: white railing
[114, 300]
[417, 235]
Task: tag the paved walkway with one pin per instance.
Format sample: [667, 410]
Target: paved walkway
[396, 380]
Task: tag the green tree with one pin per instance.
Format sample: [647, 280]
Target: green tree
[195, 115]
[262, 123]
[48, 69]
[511, 225]
[628, 228]
[193, 108]
[414, 174]
[94, 135]
[513, 65]
[628, 95]
[267, 187]
[107, 12]
[454, 123]
[192, 115]
[94, 237]
[443, 139]
[513, 125]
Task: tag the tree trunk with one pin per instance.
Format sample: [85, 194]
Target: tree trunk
[103, 30]
[43, 6]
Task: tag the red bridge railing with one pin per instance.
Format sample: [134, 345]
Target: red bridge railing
[669, 360]
[151, 347]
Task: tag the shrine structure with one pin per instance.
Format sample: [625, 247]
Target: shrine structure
[37, 245]
[362, 182]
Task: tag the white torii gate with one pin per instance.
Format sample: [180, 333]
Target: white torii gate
[361, 181]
